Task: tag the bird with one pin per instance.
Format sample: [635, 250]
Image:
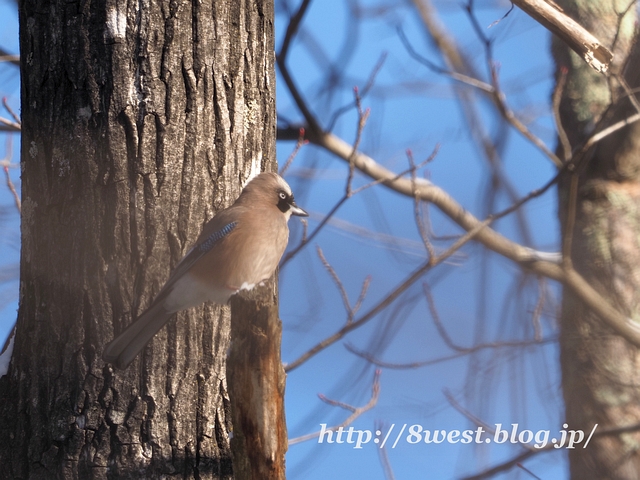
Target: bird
[239, 248]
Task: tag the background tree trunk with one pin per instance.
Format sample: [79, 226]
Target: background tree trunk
[601, 378]
[140, 121]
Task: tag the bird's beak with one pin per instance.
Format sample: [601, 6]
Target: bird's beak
[296, 210]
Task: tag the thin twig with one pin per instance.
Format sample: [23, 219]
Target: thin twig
[433, 361]
[384, 457]
[388, 299]
[12, 189]
[355, 411]
[486, 41]
[370, 82]
[336, 280]
[499, 96]
[456, 61]
[537, 311]
[597, 137]
[10, 110]
[436, 320]
[6, 163]
[521, 255]
[422, 230]
[361, 297]
[477, 421]
[9, 125]
[378, 181]
[459, 77]
[557, 97]
[363, 115]
[508, 465]
[526, 470]
[570, 221]
[496, 22]
[510, 117]
[516, 460]
[629, 92]
[621, 16]
[301, 141]
[307, 239]
[571, 32]
[6, 57]
[281, 60]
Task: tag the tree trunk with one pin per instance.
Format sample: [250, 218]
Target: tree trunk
[140, 121]
[256, 387]
[600, 370]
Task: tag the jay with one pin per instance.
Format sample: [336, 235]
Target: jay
[238, 248]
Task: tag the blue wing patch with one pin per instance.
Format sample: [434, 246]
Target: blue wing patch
[216, 237]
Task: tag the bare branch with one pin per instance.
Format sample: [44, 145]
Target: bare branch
[307, 239]
[557, 96]
[355, 411]
[429, 192]
[351, 311]
[510, 117]
[12, 189]
[422, 230]
[9, 126]
[496, 22]
[387, 300]
[488, 237]
[384, 457]
[7, 57]
[461, 353]
[571, 32]
[336, 280]
[365, 90]
[6, 163]
[361, 297]
[281, 60]
[508, 465]
[10, 110]
[430, 158]
[478, 422]
[569, 224]
[436, 320]
[518, 459]
[597, 137]
[301, 141]
[537, 311]
[363, 115]
[460, 77]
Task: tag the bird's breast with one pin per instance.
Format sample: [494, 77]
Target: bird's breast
[191, 291]
[246, 257]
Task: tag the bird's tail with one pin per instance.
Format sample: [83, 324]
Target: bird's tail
[121, 351]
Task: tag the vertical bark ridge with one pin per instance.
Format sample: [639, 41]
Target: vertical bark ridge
[141, 118]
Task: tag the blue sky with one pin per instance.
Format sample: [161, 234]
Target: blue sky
[411, 108]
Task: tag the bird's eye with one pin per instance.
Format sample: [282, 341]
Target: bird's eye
[283, 195]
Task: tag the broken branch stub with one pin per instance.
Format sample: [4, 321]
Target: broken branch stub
[571, 32]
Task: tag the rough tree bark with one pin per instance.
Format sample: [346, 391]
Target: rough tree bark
[256, 387]
[600, 371]
[140, 120]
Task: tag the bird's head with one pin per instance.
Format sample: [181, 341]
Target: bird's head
[271, 189]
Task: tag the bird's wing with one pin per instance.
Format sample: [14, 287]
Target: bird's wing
[214, 231]
[123, 349]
